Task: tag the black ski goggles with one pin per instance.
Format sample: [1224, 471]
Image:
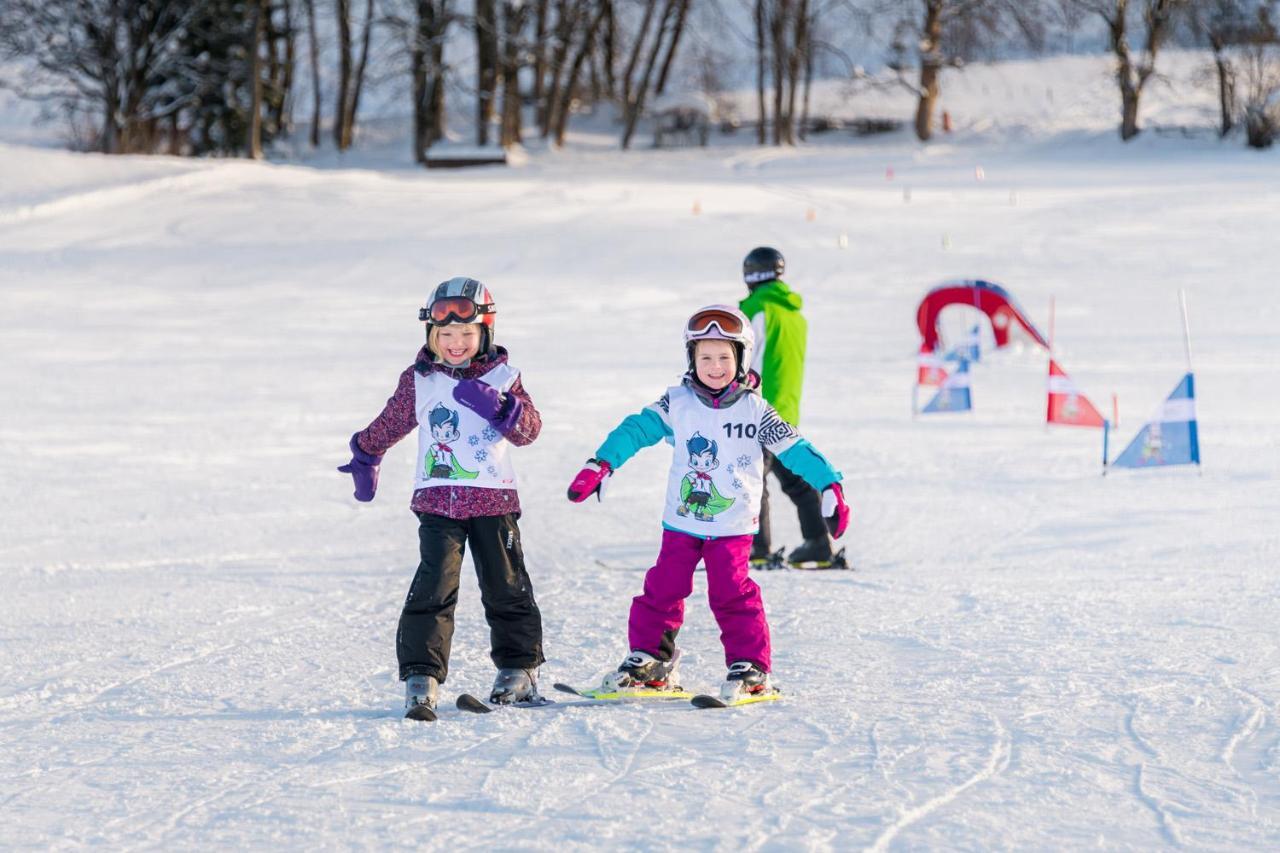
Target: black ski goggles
[454, 309]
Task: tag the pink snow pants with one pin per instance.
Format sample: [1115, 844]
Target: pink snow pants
[658, 613]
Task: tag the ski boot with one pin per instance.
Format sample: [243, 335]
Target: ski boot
[745, 679]
[811, 554]
[515, 685]
[420, 697]
[641, 670]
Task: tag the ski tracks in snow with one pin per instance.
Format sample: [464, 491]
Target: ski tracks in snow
[997, 761]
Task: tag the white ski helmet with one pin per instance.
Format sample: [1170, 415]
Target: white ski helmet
[721, 323]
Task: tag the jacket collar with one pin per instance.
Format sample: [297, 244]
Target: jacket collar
[722, 399]
[427, 363]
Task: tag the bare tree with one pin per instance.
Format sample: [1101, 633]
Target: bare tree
[515, 16]
[259, 14]
[562, 108]
[485, 24]
[113, 58]
[1133, 72]
[351, 72]
[947, 33]
[313, 42]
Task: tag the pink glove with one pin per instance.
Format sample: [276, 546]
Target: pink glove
[835, 511]
[590, 480]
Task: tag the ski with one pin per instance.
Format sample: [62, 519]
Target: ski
[467, 702]
[838, 561]
[422, 713]
[624, 695]
[770, 562]
[706, 701]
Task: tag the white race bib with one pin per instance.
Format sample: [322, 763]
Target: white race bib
[457, 447]
[717, 466]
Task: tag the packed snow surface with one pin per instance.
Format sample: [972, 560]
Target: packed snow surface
[197, 620]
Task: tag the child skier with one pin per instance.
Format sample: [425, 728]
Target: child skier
[720, 428]
[469, 407]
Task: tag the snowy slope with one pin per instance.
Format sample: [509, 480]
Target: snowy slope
[197, 620]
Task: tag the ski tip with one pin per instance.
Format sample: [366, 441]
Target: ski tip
[421, 713]
[565, 688]
[469, 703]
[705, 701]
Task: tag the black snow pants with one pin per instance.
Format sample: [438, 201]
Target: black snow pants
[806, 498]
[425, 633]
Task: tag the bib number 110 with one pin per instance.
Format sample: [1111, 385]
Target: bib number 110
[740, 430]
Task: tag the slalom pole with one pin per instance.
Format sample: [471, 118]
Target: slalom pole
[1106, 434]
[1186, 343]
[1186, 328]
[1049, 369]
[1115, 409]
[1051, 313]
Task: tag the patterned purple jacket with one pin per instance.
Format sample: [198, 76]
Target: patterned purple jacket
[400, 417]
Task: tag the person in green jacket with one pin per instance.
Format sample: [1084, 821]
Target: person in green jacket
[780, 329]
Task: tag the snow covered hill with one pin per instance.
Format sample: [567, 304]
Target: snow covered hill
[197, 621]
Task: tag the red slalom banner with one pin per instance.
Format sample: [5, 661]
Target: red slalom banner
[1067, 406]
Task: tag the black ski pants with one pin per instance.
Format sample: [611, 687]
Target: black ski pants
[425, 634]
[806, 498]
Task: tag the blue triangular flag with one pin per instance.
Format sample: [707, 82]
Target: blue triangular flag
[1170, 437]
[970, 349]
[953, 395]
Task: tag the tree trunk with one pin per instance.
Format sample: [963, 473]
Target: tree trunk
[566, 93]
[930, 68]
[427, 64]
[676, 32]
[343, 10]
[628, 76]
[514, 15]
[777, 30]
[540, 61]
[357, 85]
[486, 29]
[637, 105]
[255, 73]
[761, 51]
[315, 73]
[808, 77]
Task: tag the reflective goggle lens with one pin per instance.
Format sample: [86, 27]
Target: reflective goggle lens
[458, 308]
[700, 323]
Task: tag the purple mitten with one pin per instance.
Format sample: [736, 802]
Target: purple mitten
[363, 469]
[509, 415]
[483, 399]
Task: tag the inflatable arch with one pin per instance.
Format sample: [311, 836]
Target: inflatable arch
[991, 299]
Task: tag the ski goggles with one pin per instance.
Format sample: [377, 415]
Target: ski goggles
[454, 309]
[701, 323]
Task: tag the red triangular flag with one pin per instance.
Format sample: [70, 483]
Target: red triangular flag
[1067, 406]
[929, 367]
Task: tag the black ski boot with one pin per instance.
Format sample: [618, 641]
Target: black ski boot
[811, 554]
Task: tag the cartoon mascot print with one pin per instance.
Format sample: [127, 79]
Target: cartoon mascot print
[444, 429]
[699, 496]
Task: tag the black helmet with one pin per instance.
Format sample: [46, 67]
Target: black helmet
[762, 264]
